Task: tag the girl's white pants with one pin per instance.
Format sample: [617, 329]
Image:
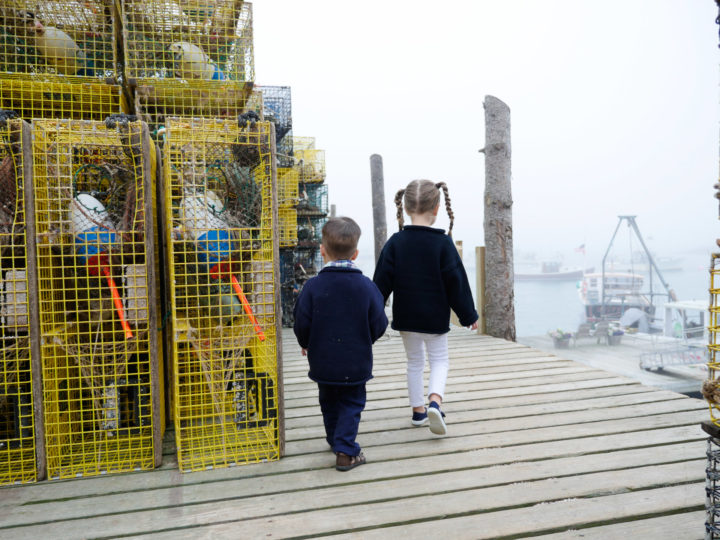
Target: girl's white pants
[436, 345]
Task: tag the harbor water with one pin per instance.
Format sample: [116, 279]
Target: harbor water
[541, 306]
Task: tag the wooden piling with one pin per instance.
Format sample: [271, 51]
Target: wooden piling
[378, 203]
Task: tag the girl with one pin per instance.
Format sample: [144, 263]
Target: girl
[421, 266]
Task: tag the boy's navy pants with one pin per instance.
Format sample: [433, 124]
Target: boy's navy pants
[341, 406]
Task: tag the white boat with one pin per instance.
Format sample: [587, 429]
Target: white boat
[550, 270]
[609, 300]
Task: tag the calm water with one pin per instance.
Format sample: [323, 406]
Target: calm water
[541, 306]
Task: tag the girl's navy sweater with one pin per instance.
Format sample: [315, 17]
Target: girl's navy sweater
[422, 268]
[338, 316]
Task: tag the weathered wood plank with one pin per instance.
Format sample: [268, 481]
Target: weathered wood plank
[686, 526]
[340, 515]
[477, 400]
[422, 482]
[322, 463]
[553, 516]
[395, 429]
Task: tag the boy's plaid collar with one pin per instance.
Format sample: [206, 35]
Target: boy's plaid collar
[341, 263]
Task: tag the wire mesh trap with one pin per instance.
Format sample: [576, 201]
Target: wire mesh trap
[190, 58]
[712, 484]
[710, 388]
[17, 445]
[312, 201]
[189, 40]
[219, 207]
[95, 264]
[277, 108]
[58, 59]
[287, 196]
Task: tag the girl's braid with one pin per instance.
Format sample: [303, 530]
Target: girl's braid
[443, 186]
[398, 203]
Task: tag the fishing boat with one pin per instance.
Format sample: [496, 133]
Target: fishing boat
[608, 299]
[609, 294]
[551, 270]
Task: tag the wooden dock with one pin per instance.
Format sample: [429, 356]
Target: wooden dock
[537, 446]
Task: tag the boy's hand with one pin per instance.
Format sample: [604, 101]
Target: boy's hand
[473, 326]
[304, 351]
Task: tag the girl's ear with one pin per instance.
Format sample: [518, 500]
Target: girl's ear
[436, 210]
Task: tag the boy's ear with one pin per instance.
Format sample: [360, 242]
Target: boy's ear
[323, 254]
[357, 252]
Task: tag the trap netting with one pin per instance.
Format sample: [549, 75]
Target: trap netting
[92, 185]
[710, 388]
[17, 444]
[58, 59]
[219, 207]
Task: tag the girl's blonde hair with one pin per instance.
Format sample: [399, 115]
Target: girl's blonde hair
[422, 196]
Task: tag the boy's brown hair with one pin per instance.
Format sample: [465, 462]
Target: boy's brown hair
[340, 237]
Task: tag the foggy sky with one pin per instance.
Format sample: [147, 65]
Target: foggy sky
[614, 109]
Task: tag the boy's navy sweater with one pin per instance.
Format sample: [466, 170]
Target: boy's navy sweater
[339, 314]
[423, 269]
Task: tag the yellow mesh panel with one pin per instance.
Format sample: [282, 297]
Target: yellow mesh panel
[17, 444]
[218, 182]
[714, 334]
[58, 59]
[95, 297]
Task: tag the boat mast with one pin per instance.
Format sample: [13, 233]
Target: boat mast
[602, 283]
[670, 292]
[633, 225]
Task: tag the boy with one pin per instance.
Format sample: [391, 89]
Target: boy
[338, 316]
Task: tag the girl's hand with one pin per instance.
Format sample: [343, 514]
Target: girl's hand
[304, 351]
[473, 326]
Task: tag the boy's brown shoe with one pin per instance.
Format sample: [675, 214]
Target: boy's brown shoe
[345, 462]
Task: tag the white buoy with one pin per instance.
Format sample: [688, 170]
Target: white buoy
[191, 62]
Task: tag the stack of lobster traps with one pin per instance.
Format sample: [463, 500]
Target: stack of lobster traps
[139, 237]
[220, 197]
[303, 260]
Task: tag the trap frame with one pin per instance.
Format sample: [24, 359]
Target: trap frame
[58, 59]
[21, 429]
[95, 246]
[221, 211]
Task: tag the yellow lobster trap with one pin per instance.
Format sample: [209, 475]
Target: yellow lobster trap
[287, 194]
[222, 250]
[189, 58]
[18, 343]
[94, 234]
[308, 160]
[711, 387]
[58, 58]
